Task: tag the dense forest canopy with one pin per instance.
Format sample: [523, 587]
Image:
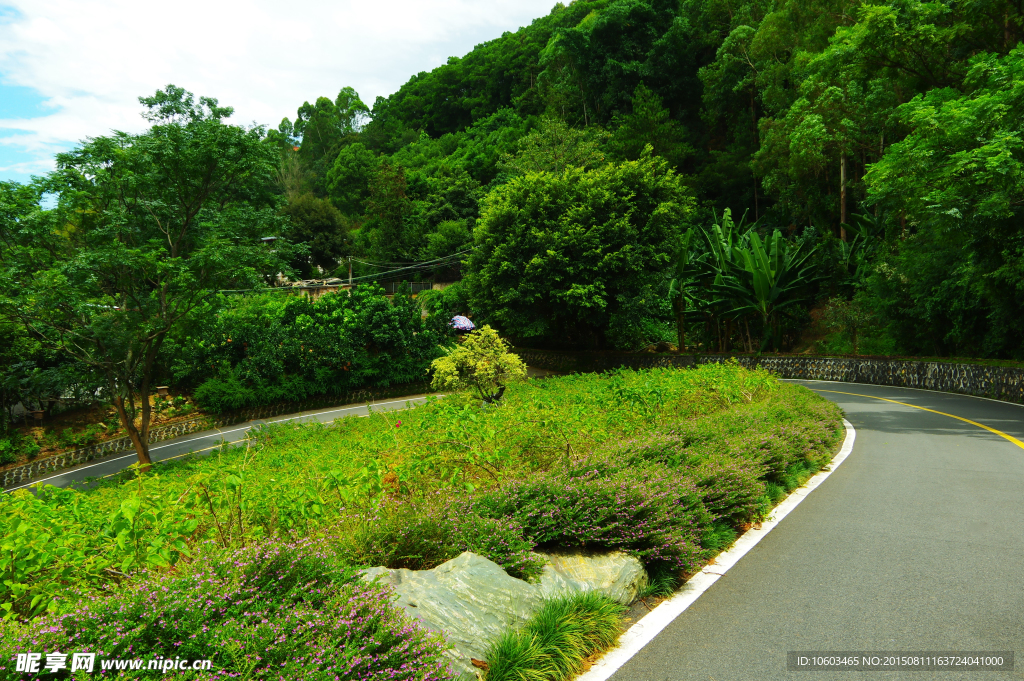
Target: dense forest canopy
[886, 133]
[876, 144]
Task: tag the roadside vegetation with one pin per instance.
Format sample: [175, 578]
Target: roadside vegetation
[667, 465]
[794, 176]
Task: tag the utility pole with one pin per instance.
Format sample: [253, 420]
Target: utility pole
[350, 272]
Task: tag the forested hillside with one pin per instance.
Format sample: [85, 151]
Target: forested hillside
[808, 176]
[885, 134]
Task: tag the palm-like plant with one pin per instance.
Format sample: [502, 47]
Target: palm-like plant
[855, 255]
[737, 276]
[689, 267]
[764, 279]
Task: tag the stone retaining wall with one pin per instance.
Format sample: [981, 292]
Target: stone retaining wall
[19, 475]
[1000, 383]
[569, 362]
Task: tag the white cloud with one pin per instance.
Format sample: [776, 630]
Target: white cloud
[92, 59]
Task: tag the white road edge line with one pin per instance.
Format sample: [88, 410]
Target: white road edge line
[295, 417]
[652, 624]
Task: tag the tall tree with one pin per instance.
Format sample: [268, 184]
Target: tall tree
[553, 147]
[322, 228]
[147, 227]
[324, 128]
[955, 190]
[388, 208]
[649, 124]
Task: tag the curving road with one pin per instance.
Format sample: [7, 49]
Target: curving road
[200, 443]
[914, 543]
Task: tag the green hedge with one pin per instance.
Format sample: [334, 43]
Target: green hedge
[272, 348]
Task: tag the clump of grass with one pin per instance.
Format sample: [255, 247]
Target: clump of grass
[717, 538]
[554, 644]
[646, 510]
[422, 536]
[662, 582]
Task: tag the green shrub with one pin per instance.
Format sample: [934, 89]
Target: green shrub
[14, 445]
[7, 451]
[271, 348]
[90, 435]
[271, 611]
[555, 642]
[57, 540]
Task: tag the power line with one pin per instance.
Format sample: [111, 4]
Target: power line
[385, 276]
[428, 264]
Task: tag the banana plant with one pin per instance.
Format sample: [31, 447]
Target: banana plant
[689, 266]
[725, 237]
[765, 279]
[857, 254]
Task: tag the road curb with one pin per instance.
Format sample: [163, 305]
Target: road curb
[648, 628]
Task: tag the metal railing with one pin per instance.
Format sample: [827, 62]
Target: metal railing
[414, 286]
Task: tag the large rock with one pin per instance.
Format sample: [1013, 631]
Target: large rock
[469, 599]
[472, 600]
[617, 575]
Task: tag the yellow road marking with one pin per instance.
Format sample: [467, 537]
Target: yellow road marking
[941, 413]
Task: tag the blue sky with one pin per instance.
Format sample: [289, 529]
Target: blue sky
[72, 69]
[17, 102]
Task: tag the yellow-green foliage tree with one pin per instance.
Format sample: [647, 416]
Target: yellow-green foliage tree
[481, 362]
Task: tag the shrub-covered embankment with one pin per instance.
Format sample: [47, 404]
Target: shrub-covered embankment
[665, 464]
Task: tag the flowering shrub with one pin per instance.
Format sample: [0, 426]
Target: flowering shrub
[773, 435]
[405, 535]
[733, 457]
[274, 611]
[646, 510]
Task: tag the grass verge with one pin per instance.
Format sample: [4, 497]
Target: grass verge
[667, 465]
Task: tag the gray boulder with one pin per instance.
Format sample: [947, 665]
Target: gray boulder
[617, 575]
[471, 600]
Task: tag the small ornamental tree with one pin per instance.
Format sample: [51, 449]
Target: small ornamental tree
[481, 362]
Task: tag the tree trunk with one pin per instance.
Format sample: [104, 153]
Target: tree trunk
[842, 196]
[753, 121]
[140, 443]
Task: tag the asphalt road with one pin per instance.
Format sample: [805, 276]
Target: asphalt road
[199, 443]
[915, 543]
